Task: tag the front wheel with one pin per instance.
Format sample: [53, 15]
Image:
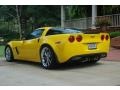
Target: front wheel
[8, 54]
[48, 58]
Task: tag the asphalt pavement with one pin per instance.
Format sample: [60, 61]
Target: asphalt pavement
[19, 73]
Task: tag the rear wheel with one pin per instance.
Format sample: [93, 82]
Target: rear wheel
[48, 58]
[8, 54]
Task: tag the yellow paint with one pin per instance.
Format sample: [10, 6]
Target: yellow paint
[29, 50]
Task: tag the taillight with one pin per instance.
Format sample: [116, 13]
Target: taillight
[107, 37]
[71, 38]
[79, 38]
[102, 37]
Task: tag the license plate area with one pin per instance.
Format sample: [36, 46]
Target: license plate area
[92, 46]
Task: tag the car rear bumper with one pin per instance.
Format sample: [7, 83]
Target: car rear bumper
[87, 57]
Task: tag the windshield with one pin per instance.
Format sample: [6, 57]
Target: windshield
[35, 34]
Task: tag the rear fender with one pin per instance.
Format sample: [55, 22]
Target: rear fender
[55, 49]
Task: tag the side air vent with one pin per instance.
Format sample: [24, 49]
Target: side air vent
[16, 50]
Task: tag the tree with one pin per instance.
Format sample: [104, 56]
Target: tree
[30, 17]
[18, 21]
[78, 11]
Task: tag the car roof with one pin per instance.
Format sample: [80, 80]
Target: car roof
[57, 28]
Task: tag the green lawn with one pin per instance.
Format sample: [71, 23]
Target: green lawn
[2, 51]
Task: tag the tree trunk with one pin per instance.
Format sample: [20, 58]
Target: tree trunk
[18, 21]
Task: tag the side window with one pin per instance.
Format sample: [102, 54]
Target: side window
[35, 34]
[53, 32]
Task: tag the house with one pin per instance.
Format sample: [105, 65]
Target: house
[90, 22]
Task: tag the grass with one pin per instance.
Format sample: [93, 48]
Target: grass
[2, 51]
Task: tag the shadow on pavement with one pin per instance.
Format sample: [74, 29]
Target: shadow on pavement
[75, 65]
[64, 66]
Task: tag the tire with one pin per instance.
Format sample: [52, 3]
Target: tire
[48, 57]
[8, 54]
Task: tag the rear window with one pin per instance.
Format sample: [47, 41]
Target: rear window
[54, 31]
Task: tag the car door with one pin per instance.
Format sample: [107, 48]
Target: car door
[30, 46]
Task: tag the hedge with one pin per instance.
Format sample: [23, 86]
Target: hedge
[114, 34]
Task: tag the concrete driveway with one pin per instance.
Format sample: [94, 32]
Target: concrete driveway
[27, 73]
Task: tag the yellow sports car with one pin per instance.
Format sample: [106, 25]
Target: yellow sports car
[52, 45]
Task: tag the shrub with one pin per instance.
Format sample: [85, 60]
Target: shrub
[114, 34]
